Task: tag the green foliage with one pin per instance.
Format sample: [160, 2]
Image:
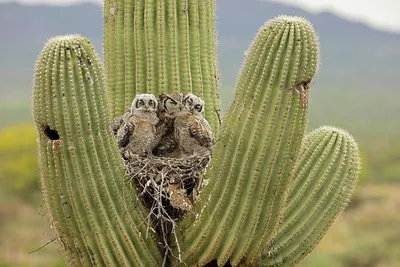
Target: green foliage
[18, 160]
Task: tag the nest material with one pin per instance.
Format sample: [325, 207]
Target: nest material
[168, 187]
[177, 181]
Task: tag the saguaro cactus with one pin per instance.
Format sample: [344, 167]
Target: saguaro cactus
[257, 181]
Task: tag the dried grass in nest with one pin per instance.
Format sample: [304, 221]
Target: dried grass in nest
[168, 187]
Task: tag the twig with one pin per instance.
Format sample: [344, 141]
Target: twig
[48, 242]
[218, 115]
[152, 176]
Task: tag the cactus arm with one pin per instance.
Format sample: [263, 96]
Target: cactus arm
[72, 244]
[93, 212]
[325, 177]
[161, 46]
[260, 139]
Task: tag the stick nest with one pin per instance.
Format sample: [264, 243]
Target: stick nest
[168, 179]
[168, 187]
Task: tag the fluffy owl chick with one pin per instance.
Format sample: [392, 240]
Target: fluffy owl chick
[177, 198]
[170, 105]
[118, 121]
[193, 104]
[137, 133]
[193, 134]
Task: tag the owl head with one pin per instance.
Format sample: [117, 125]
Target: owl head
[170, 104]
[193, 104]
[144, 103]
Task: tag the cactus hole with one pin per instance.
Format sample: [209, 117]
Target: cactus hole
[51, 134]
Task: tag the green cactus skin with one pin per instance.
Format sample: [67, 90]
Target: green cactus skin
[161, 46]
[325, 178]
[260, 138]
[95, 214]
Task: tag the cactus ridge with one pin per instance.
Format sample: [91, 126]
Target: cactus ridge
[325, 178]
[161, 46]
[88, 168]
[249, 166]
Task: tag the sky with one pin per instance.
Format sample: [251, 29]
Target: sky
[380, 14]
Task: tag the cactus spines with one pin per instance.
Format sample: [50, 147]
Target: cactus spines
[260, 139]
[94, 212]
[161, 46]
[325, 177]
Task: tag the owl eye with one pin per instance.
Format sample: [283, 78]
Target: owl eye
[190, 101]
[172, 102]
[197, 107]
[151, 103]
[141, 102]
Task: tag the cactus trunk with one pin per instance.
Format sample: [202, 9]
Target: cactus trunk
[161, 46]
[94, 212]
